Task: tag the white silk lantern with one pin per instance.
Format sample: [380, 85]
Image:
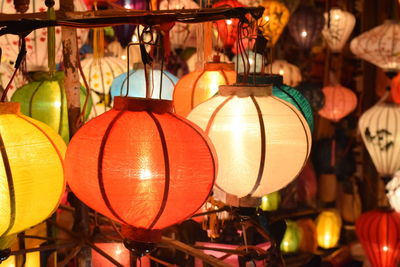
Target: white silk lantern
[337, 29]
[262, 142]
[380, 46]
[381, 135]
[291, 73]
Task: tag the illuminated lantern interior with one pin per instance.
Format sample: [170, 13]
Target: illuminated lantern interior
[329, 225]
[274, 20]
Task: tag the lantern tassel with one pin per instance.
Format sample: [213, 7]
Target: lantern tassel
[51, 38]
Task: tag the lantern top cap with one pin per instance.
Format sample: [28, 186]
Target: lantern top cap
[260, 78]
[142, 104]
[245, 90]
[218, 66]
[9, 107]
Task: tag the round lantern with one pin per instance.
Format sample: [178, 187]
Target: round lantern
[251, 63]
[291, 239]
[308, 235]
[270, 202]
[44, 99]
[256, 136]
[143, 166]
[338, 26]
[228, 28]
[379, 131]
[379, 234]
[291, 73]
[99, 73]
[182, 34]
[6, 72]
[393, 192]
[137, 84]
[313, 93]
[339, 102]
[36, 42]
[328, 224]
[305, 26]
[32, 155]
[274, 20]
[198, 86]
[379, 46]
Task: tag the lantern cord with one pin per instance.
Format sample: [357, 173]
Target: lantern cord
[81, 118]
[20, 57]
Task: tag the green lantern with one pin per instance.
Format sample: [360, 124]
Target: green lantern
[291, 239]
[44, 99]
[270, 202]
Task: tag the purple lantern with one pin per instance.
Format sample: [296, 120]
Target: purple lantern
[305, 25]
[124, 32]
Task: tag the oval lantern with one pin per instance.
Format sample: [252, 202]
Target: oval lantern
[380, 134]
[393, 192]
[291, 73]
[339, 102]
[198, 86]
[270, 202]
[291, 239]
[144, 166]
[255, 135]
[227, 28]
[379, 234]
[379, 45]
[182, 34]
[31, 183]
[161, 87]
[36, 42]
[329, 225]
[99, 73]
[6, 72]
[274, 20]
[44, 99]
[305, 26]
[308, 235]
[337, 29]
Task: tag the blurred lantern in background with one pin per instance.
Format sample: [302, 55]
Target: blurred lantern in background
[329, 225]
[182, 34]
[338, 26]
[270, 202]
[99, 73]
[274, 20]
[36, 42]
[307, 235]
[339, 102]
[305, 26]
[377, 46]
[116, 250]
[41, 190]
[307, 184]
[227, 28]
[393, 192]
[395, 89]
[198, 86]
[249, 62]
[313, 93]
[291, 73]
[380, 133]
[255, 135]
[143, 166]
[379, 234]
[44, 99]
[6, 72]
[161, 84]
[291, 239]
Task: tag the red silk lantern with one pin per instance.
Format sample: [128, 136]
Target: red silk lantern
[395, 89]
[339, 102]
[379, 234]
[142, 166]
[228, 28]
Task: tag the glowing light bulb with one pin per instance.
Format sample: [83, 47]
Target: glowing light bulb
[385, 248]
[123, 57]
[57, 104]
[281, 72]
[127, 6]
[251, 61]
[266, 18]
[134, 38]
[118, 251]
[303, 34]
[145, 174]
[228, 21]
[336, 17]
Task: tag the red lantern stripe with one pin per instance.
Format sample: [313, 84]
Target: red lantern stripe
[100, 167]
[10, 183]
[167, 169]
[263, 147]
[210, 122]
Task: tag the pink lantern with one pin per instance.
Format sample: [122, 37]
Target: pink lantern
[339, 102]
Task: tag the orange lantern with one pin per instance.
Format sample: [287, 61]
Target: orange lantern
[395, 88]
[144, 167]
[199, 86]
[339, 102]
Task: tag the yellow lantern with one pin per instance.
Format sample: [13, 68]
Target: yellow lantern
[198, 86]
[329, 224]
[273, 22]
[270, 202]
[32, 179]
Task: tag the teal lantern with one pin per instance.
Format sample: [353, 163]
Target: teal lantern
[284, 92]
[137, 84]
[270, 202]
[291, 239]
[44, 99]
